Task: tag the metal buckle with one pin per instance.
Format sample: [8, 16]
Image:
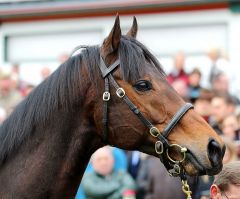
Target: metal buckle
[159, 147]
[154, 131]
[120, 92]
[106, 96]
[183, 150]
[175, 171]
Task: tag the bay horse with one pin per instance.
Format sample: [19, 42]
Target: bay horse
[47, 141]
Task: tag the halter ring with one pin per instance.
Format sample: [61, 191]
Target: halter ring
[183, 150]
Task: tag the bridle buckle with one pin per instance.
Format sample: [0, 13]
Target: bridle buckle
[175, 171]
[120, 92]
[154, 131]
[159, 147]
[106, 96]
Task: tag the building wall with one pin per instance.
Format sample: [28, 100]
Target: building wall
[40, 43]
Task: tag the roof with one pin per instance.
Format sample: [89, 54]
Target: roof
[16, 10]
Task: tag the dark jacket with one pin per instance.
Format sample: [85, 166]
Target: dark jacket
[154, 182]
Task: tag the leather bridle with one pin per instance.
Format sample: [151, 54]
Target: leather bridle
[162, 146]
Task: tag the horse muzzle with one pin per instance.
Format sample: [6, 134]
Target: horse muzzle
[215, 155]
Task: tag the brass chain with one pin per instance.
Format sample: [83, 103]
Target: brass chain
[186, 189]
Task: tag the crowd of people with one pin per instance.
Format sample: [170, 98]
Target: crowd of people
[13, 89]
[115, 174]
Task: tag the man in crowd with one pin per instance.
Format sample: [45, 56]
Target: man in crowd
[105, 182]
[227, 183]
[223, 105]
[9, 95]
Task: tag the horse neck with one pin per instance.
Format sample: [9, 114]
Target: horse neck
[50, 164]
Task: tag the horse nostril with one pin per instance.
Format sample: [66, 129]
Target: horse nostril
[215, 152]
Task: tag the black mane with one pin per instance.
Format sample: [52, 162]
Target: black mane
[65, 87]
[133, 59]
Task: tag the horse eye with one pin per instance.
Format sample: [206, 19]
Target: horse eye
[143, 85]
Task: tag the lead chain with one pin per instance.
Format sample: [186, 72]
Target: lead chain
[186, 189]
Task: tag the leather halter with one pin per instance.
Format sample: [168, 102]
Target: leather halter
[162, 145]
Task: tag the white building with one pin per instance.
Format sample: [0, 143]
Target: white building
[35, 33]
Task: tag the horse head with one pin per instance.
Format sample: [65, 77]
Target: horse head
[138, 77]
[116, 94]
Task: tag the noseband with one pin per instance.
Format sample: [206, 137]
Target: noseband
[162, 146]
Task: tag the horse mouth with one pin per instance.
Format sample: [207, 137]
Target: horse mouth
[194, 165]
[199, 168]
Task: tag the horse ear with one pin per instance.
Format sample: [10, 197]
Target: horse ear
[111, 43]
[132, 33]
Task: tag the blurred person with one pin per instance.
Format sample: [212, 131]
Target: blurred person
[80, 193]
[154, 182]
[45, 72]
[104, 182]
[120, 163]
[214, 56]
[181, 88]
[9, 95]
[203, 185]
[15, 75]
[227, 183]
[20, 84]
[3, 115]
[120, 160]
[230, 126]
[238, 118]
[63, 57]
[194, 86]
[223, 104]
[219, 64]
[28, 89]
[15, 69]
[134, 162]
[231, 150]
[202, 104]
[178, 72]
[237, 135]
[220, 83]
[238, 130]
